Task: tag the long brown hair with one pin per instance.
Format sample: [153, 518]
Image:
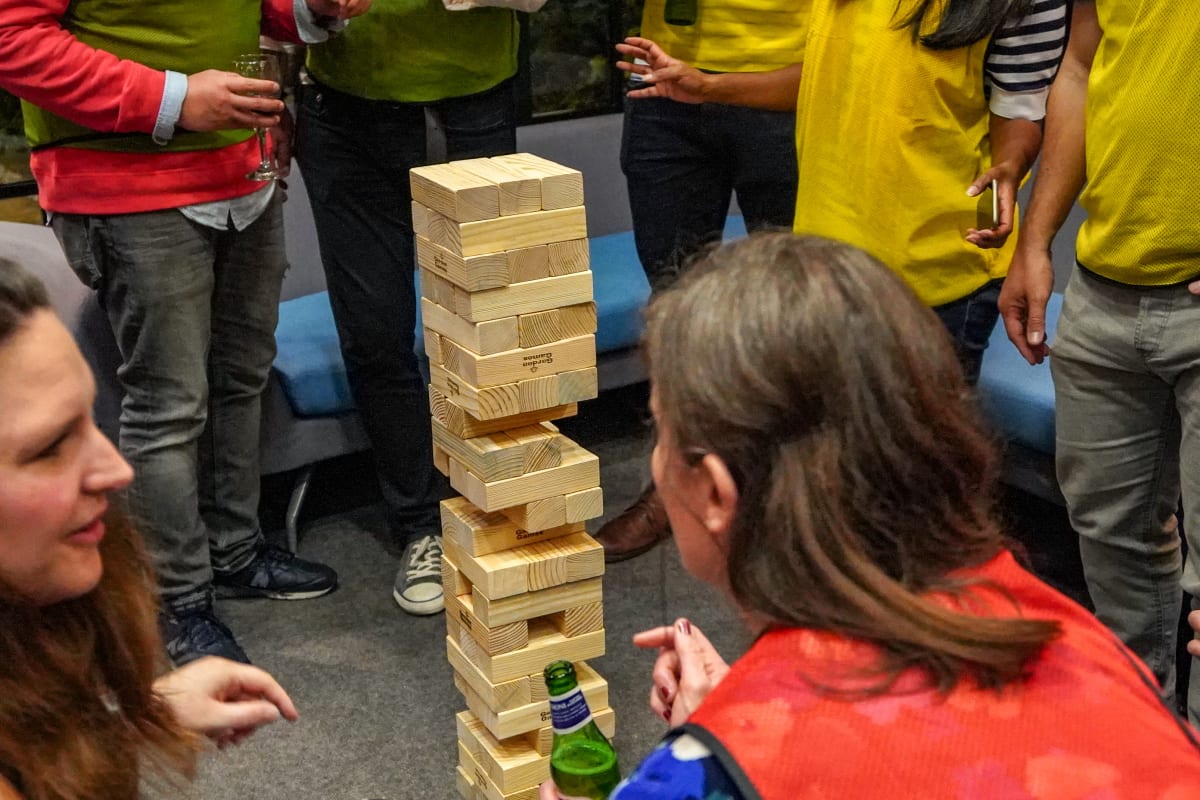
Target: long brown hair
[78, 714]
[864, 475]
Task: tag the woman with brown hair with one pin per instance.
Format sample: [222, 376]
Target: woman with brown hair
[81, 712]
[821, 461]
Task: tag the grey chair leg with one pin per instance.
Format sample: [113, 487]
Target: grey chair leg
[294, 504]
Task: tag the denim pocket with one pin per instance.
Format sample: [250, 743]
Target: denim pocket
[76, 235]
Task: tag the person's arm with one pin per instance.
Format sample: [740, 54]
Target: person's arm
[1061, 175]
[1015, 145]
[664, 76]
[224, 700]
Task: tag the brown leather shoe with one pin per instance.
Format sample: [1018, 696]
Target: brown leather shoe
[635, 530]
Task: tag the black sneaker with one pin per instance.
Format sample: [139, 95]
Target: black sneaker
[198, 633]
[277, 574]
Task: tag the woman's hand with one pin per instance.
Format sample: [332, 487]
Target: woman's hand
[339, 9]
[224, 700]
[1008, 177]
[662, 75]
[688, 667]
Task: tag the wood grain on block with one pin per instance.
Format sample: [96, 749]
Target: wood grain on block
[457, 193]
[555, 324]
[441, 461]
[491, 402]
[585, 505]
[519, 193]
[511, 764]
[530, 567]
[576, 385]
[505, 233]
[534, 716]
[472, 635]
[499, 695]
[460, 422]
[562, 187]
[484, 338]
[567, 257]
[531, 605]
[548, 512]
[436, 288]
[579, 620]
[520, 363]
[523, 298]
[479, 532]
[605, 719]
[454, 583]
[578, 320]
[485, 789]
[485, 271]
[538, 392]
[433, 342]
[464, 782]
[545, 645]
[495, 456]
[420, 219]
[529, 263]
[579, 470]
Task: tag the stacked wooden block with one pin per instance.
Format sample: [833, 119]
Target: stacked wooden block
[509, 330]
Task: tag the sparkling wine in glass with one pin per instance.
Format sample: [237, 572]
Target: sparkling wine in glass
[263, 66]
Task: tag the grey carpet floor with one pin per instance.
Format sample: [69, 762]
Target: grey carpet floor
[372, 684]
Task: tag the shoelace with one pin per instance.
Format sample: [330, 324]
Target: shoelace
[425, 561]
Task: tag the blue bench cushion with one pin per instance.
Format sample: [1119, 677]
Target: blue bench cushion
[1019, 399]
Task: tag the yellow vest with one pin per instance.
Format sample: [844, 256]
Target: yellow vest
[889, 134]
[733, 35]
[1142, 145]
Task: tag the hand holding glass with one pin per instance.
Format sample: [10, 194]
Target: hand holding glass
[265, 67]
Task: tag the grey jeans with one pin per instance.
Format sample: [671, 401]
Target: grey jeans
[194, 312]
[1126, 368]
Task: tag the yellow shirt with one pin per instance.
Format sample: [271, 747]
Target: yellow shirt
[733, 35]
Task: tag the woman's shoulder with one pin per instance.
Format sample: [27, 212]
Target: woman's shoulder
[681, 768]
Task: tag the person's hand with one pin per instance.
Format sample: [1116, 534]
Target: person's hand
[1193, 646]
[1023, 299]
[662, 75]
[1194, 287]
[548, 791]
[218, 100]
[224, 700]
[339, 9]
[283, 136]
[1008, 181]
[688, 667]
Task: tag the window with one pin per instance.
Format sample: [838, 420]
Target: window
[14, 166]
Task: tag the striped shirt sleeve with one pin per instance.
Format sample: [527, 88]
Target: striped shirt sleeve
[1023, 60]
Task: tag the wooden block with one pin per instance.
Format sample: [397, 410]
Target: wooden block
[523, 298]
[420, 218]
[496, 456]
[579, 620]
[540, 327]
[505, 233]
[433, 343]
[588, 504]
[454, 583]
[605, 719]
[529, 263]
[562, 187]
[531, 567]
[485, 787]
[458, 193]
[479, 533]
[485, 403]
[577, 385]
[511, 764]
[545, 645]
[567, 257]
[534, 716]
[538, 392]
[519, 193]
[518, 364]
[460, 422]
[436, 288]
[499, 695]
[549, 512]
[489, 270]
[464, 782]
[579, 470]
[484, 338]
[495, 612]
[473, 636]
[441, 461]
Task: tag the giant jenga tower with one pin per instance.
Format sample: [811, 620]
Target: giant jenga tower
[509, 330]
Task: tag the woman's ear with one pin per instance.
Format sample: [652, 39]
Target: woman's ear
[721, 496]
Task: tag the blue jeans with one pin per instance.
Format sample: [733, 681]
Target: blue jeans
[356, 155]
[193, 310]
[682, 164]
[970, 322]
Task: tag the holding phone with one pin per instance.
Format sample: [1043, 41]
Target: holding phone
[987, 210]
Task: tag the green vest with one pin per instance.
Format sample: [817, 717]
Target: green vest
[415, 51]
[181, 35]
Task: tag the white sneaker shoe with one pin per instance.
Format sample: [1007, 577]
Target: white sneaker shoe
[418, 588]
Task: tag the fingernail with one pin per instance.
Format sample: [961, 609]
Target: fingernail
[1035, 337]
[667, 717]
[684, 627]
[665, 694]
[972, 191]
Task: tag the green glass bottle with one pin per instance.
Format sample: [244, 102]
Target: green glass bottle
[582, 762]
[680, 12]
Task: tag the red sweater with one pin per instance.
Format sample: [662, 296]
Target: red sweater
[1086, 724]
[45, 64]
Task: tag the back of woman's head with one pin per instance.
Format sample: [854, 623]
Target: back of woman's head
[836, 401]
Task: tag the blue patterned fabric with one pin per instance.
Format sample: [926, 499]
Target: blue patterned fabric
[680, 768]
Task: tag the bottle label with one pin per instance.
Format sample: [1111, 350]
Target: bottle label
[569, 712]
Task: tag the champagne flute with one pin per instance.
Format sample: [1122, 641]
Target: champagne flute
[263, 66]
